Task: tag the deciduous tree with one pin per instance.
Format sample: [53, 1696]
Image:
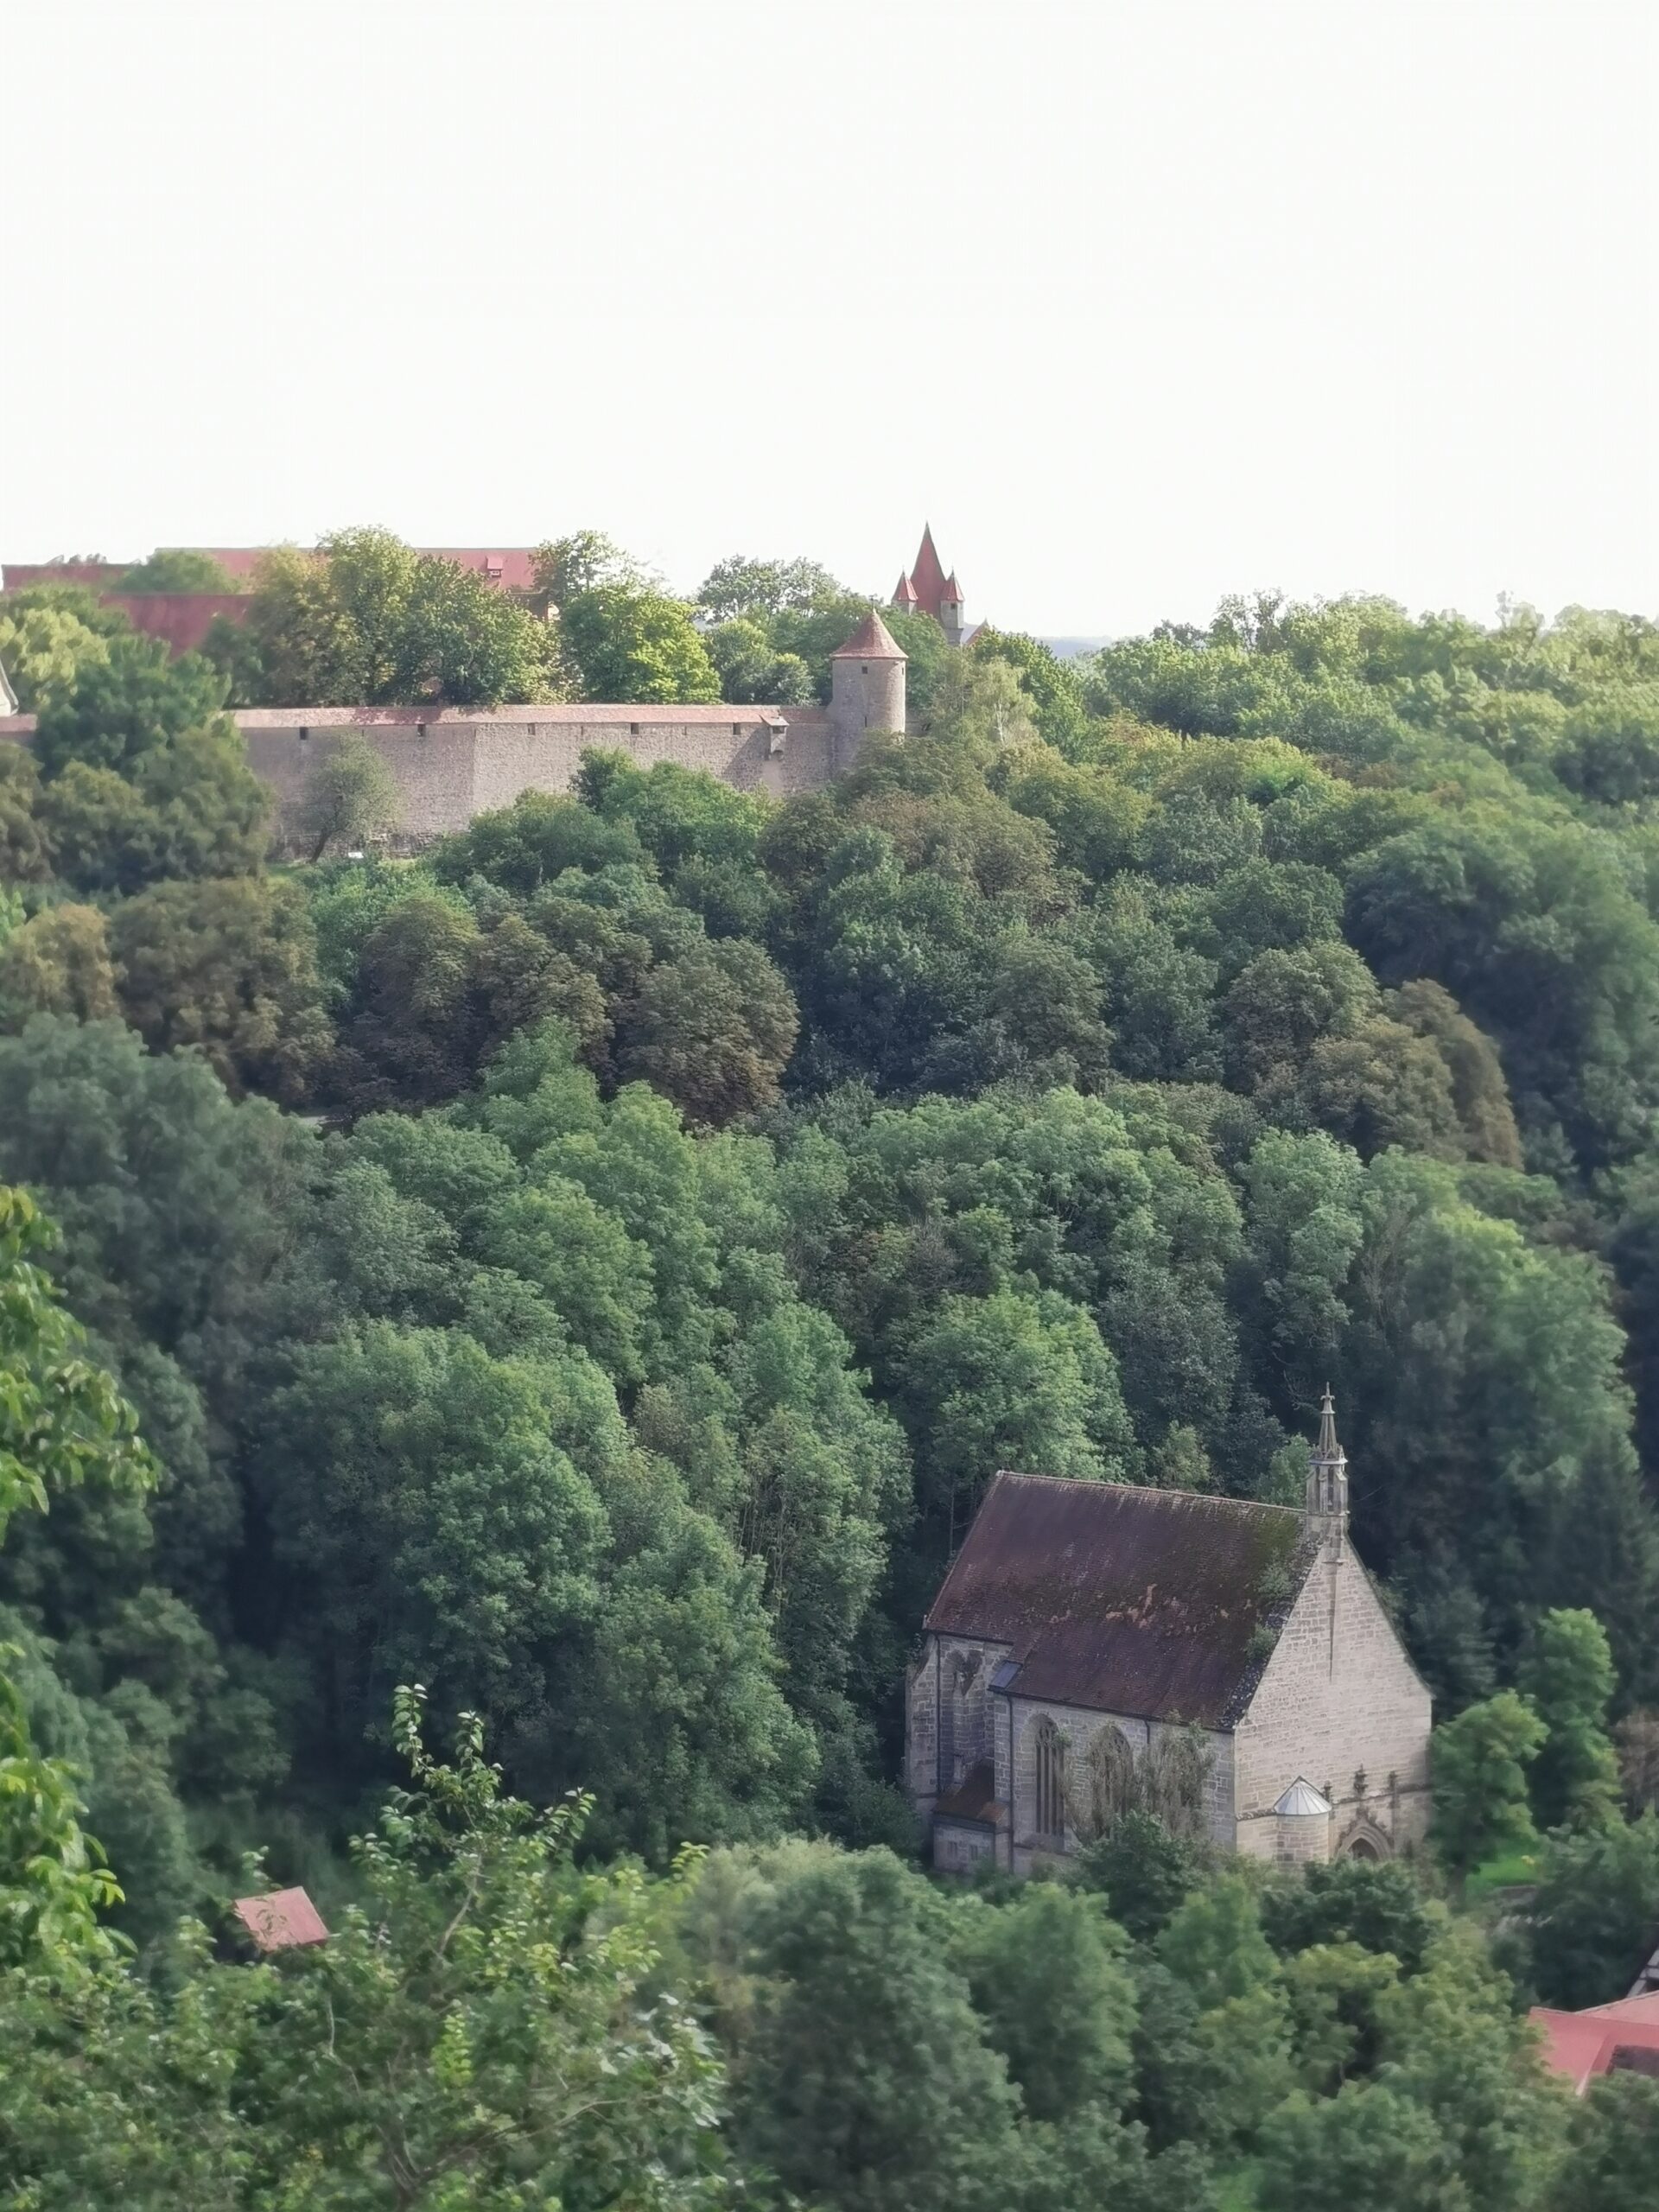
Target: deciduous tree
[351, 798]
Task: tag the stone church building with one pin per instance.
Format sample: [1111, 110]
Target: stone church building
[1087, 1629]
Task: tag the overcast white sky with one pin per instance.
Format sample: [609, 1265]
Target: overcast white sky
[1141, 304]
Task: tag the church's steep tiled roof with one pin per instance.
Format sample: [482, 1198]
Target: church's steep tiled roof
[1127, 1600]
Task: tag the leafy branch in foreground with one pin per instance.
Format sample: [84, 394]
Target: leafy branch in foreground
[484, 2028]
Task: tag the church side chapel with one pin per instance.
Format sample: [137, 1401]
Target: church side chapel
[1096, 1647]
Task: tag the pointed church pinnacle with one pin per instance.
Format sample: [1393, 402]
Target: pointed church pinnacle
[1328, 1450]
[1327, 1446]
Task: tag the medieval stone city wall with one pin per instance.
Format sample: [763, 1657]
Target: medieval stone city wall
[1337, 1696]
[451, 764]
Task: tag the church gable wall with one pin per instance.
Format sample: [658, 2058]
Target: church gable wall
[1338, 1697]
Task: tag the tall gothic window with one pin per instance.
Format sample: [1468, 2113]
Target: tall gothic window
[1051, 1781]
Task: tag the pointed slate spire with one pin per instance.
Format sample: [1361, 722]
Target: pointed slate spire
[1327, 1479]
[1327, 1447]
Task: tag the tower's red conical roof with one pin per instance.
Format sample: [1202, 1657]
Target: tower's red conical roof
[927, 577]
[872, 640]
[904, 593]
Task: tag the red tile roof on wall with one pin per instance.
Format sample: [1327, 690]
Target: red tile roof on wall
[17, 576]
[513, 567]
[872, 640]
[587, 714]
[1121, 1599]
[582, 712]
[282, 1920]
[182, 618]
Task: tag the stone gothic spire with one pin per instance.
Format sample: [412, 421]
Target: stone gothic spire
[1327, 1479]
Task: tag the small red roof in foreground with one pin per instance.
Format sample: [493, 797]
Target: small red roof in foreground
[1580, 2045]
[872, 640]
[282, 1920]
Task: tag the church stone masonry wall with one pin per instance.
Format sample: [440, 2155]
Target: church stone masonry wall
[1080, 1726]
[1338, 1695]
[951, 1714]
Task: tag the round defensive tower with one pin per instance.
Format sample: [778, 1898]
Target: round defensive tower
[867, 687]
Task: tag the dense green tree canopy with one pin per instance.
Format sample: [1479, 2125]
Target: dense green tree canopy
[630, 644]
[366, 620]
[594, 1266]
[176, 567]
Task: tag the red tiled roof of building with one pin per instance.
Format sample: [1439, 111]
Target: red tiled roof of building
[1122, 1599]
[17, 576]
[282, 1920]
[1646, 2009]
[952, 596]
[904, 593]
[1581, 2045]
[181, 619]
[512, 567]
[872, 640]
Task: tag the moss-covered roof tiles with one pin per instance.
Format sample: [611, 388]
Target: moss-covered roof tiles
[1159, 1603]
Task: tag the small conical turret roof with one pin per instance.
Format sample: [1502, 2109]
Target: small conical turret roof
[1302, 1801]
[904, 593]
[872, 640]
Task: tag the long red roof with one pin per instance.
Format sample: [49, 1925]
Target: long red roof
[1581, 2045]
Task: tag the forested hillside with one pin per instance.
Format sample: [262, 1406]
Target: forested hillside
[592, 1269]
